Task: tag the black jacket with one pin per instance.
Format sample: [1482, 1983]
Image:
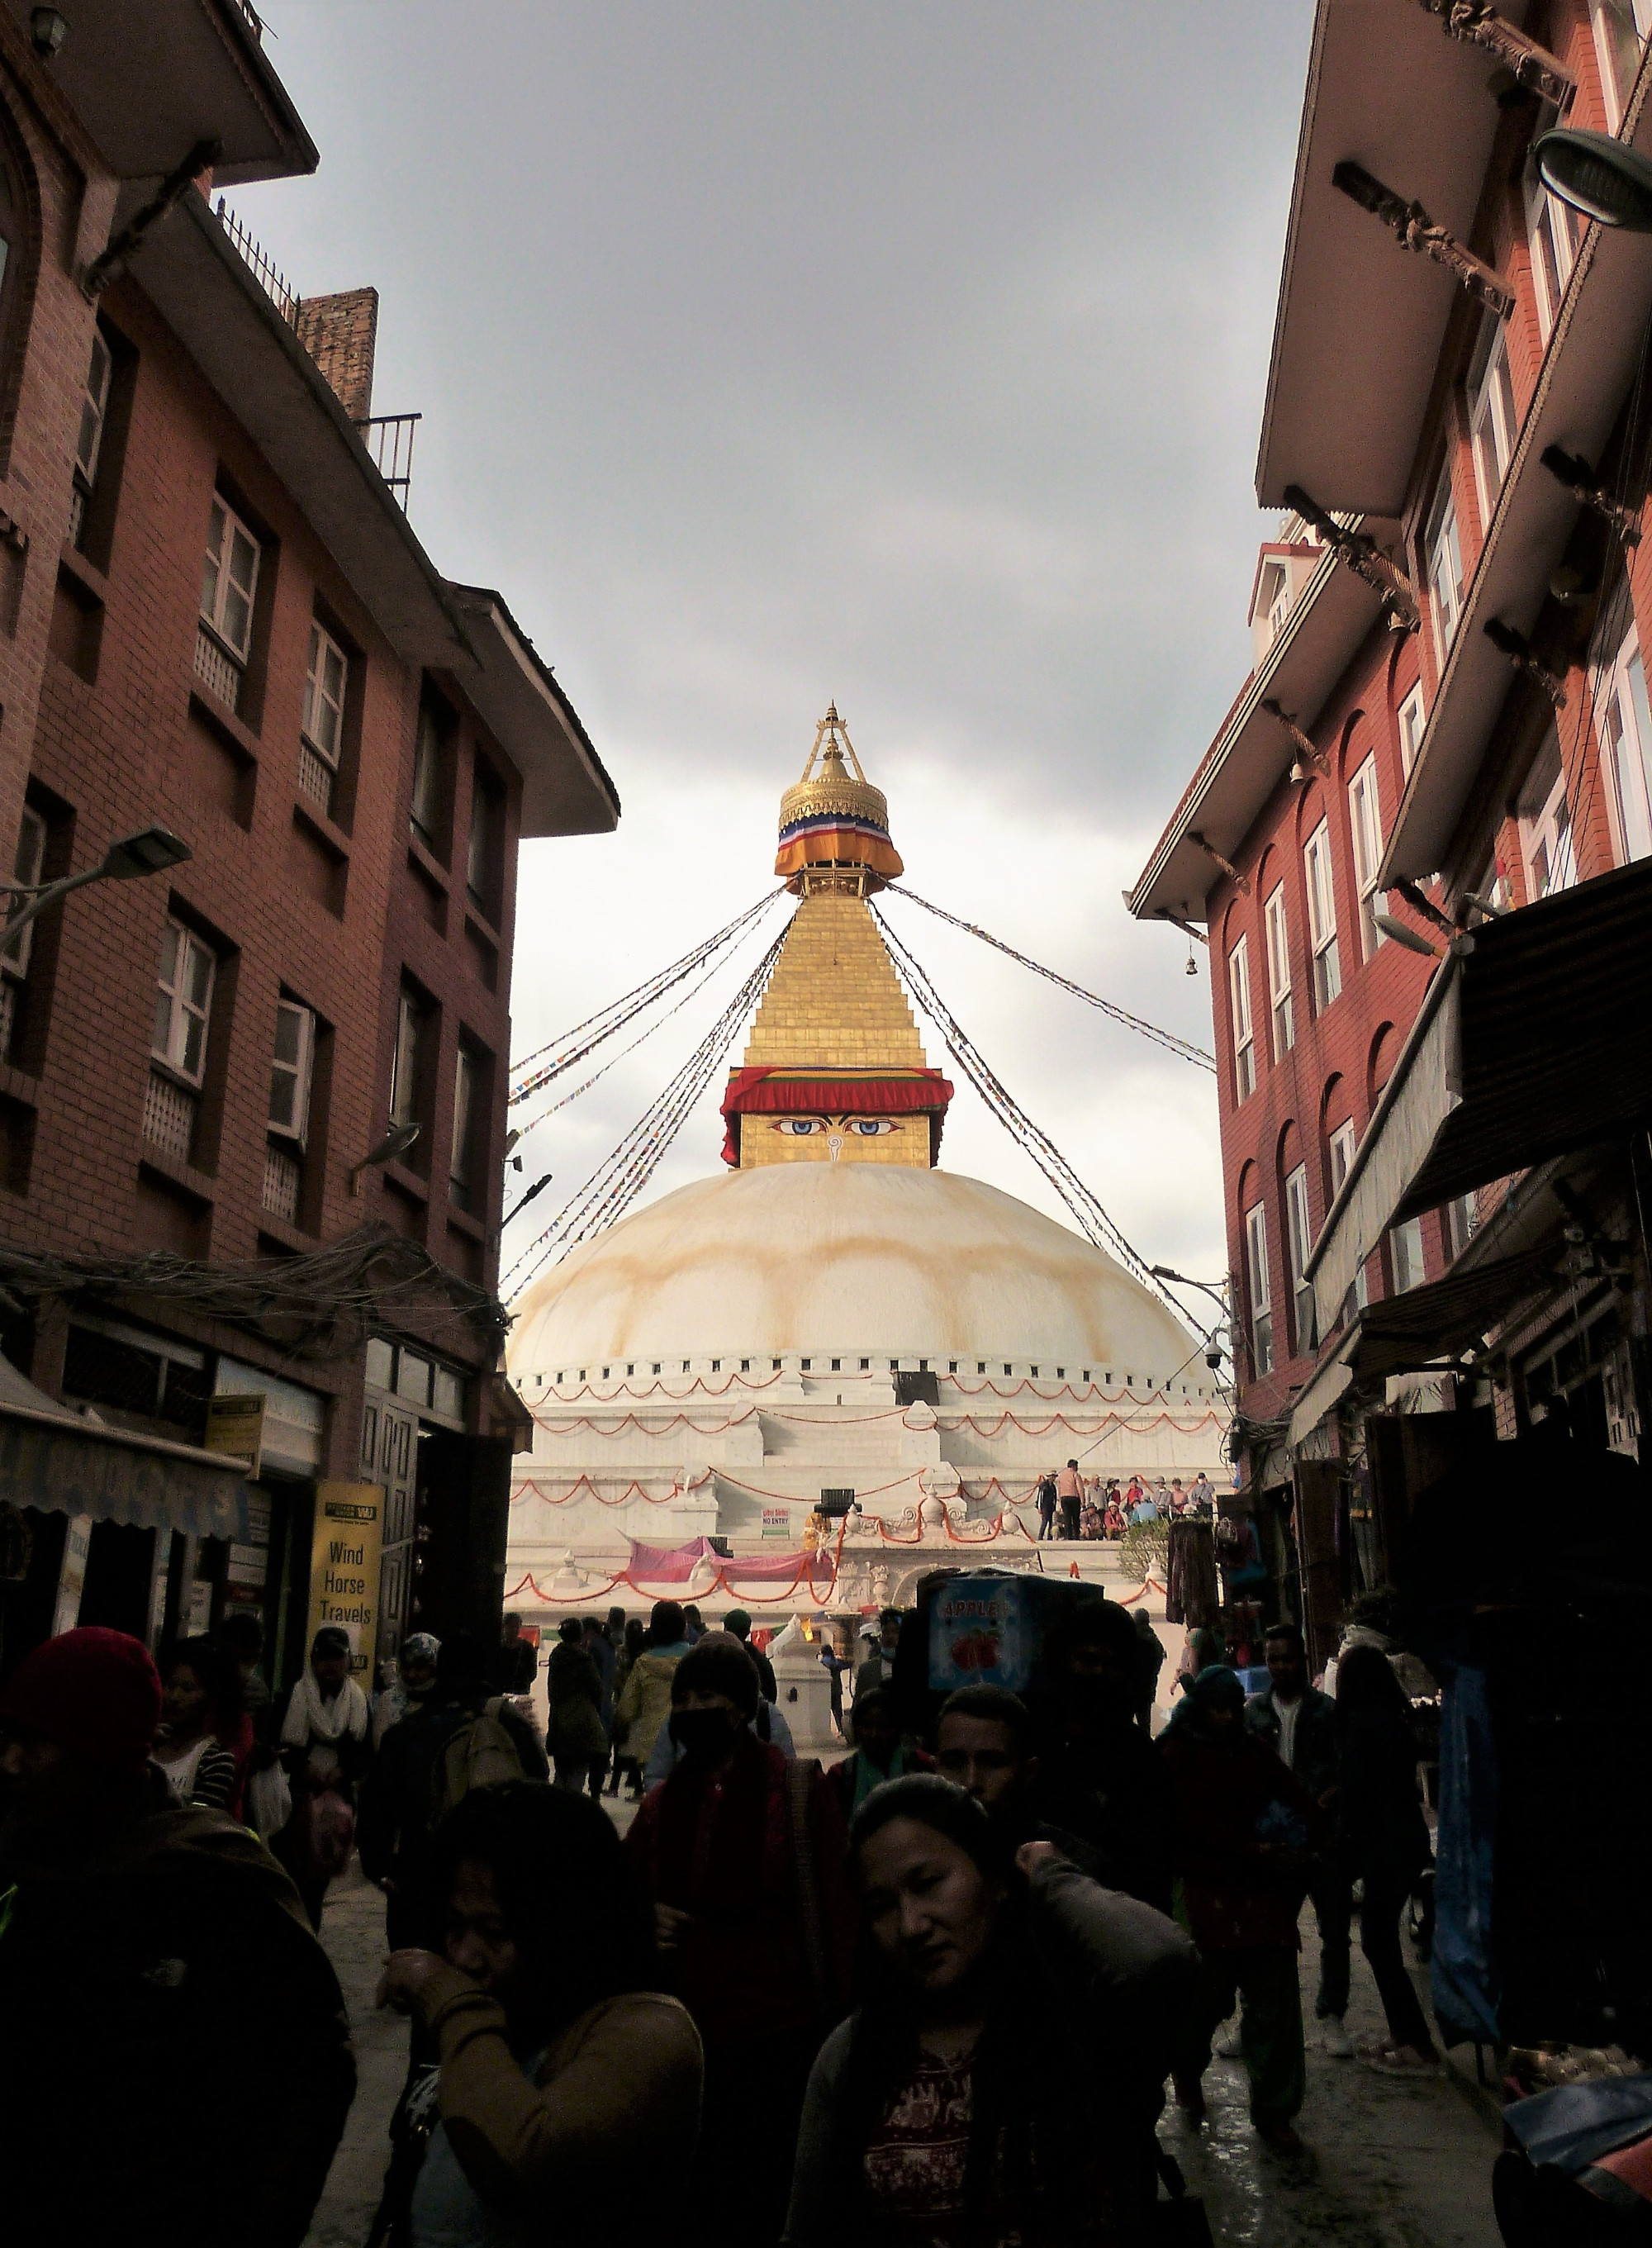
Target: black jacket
[162, 1978]
[1115, 1794]
[1315, 1752]
[396, 1809]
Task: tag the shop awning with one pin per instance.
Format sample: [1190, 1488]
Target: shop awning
[1426, 1328]
[54, 1460]
[1531, 1042]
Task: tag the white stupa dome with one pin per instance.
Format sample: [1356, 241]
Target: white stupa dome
[811, 1258]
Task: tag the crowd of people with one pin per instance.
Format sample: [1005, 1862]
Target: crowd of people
[1073, 1506]
[934, 1992]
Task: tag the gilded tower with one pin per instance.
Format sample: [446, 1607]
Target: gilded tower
[834, 1070]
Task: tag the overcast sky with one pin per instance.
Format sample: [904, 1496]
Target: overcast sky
[908, 355]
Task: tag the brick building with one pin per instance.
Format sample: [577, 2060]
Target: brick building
[251, 1109]
[1433, 1133]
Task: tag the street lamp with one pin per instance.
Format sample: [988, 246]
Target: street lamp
[149, 852]
[1598, 176]
[1218, 1296]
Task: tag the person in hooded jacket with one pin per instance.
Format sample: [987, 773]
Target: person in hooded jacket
[645, 1700]
[1386, 1839]
[744, 1854]
[576, 1737]
[1245, 1828]
[140, 1938]
[1101, 1780]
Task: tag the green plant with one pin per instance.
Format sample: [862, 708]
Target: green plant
[1144, 1550]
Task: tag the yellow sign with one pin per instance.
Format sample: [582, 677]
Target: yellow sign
[235, 1424]
[344, 1566]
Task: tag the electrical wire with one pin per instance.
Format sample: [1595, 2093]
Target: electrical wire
[1093, 1219]
[622, 1174]
[1182, 1048]
[625, 1009]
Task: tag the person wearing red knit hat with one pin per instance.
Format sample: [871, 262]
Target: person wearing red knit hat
[142, 1939]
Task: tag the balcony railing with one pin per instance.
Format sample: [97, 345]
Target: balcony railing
[168, 1116]
[282, 1178]
[388, 437]
[261, 265]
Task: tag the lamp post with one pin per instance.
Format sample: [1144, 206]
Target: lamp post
[149, 852]
[1598, 176]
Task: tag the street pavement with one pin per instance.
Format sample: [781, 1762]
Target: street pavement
[1389, 2164]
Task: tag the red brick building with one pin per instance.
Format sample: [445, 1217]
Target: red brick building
[1426, 1235]
[224, 625]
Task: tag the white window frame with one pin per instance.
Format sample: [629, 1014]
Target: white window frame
[1255, 1250]
[322, 722]
[1299, 1234]
[1552, 248]
[1492, 423]
[94, 407]
[1276, 923]
[31, 857]
[406, 1067]
[1365, 826]
[1320, 879]
[462, 1166]
[182, 1005]
[1340, 1143]
[1413, 717]
[1405, 1255]
[1624, 725]
[1443, 549]
[225, 597]
[1616, 81]
[297, 1070]
[1547, 841]
[426, 798]
[1239, 1013]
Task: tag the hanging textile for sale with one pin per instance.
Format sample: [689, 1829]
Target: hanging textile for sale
[1190, 1587]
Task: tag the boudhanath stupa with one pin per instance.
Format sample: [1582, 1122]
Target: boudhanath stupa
[798, 1385]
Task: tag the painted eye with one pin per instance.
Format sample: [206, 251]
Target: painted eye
[798, 1127]
[872, 1127]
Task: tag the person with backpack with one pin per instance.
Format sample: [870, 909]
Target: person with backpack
[744, 1856]
[464, 1737]
[645, 1702]
[577, 1738]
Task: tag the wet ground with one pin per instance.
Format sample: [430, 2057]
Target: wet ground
[1388, 2165]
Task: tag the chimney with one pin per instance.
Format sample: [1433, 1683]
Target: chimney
[338, 332]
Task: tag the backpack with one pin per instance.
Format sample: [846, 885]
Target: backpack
[480, 1752]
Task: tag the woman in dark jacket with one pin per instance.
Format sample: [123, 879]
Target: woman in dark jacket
[1001, 2076]
[1387, 1841]
[577, 1738]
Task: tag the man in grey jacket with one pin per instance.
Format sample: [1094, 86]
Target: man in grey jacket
[1298, 1724]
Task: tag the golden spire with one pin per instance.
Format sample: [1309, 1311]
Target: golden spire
[834, 825]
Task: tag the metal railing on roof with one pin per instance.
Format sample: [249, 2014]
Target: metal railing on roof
[388, 437]
[262, 267]
[251, 17]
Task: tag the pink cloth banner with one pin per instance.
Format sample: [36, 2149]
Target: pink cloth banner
[671, 1564]
[675, 1565]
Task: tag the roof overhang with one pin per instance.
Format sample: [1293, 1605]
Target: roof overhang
[1248, 758]
[1360, 320]
[566, 790]
[1524, 1049]
[197, 281]
[1586, 374]
[54, 1461]
[149, 82]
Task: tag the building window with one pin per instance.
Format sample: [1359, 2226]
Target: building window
[178, 1040]
[1443, 551]
[410, 1069]
[1328, 967]
[482, 851]
[1279, 936]
[14, 961]
[464, 1171]
[229, 589]
[1626, 747]
[1548, 225]
[1365, 820]
[1412, 719]
[184, 1003]
[1462, 1222]
[1256, 1239]
[1405, 1250]
[291, 1068]
[1545, 825]
[1340, 1147]
[94, 407]
[1299, 1240]
[429, 744]
[1620, 31]
[1491, 421]
[322, 725]
[1239, 1005]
